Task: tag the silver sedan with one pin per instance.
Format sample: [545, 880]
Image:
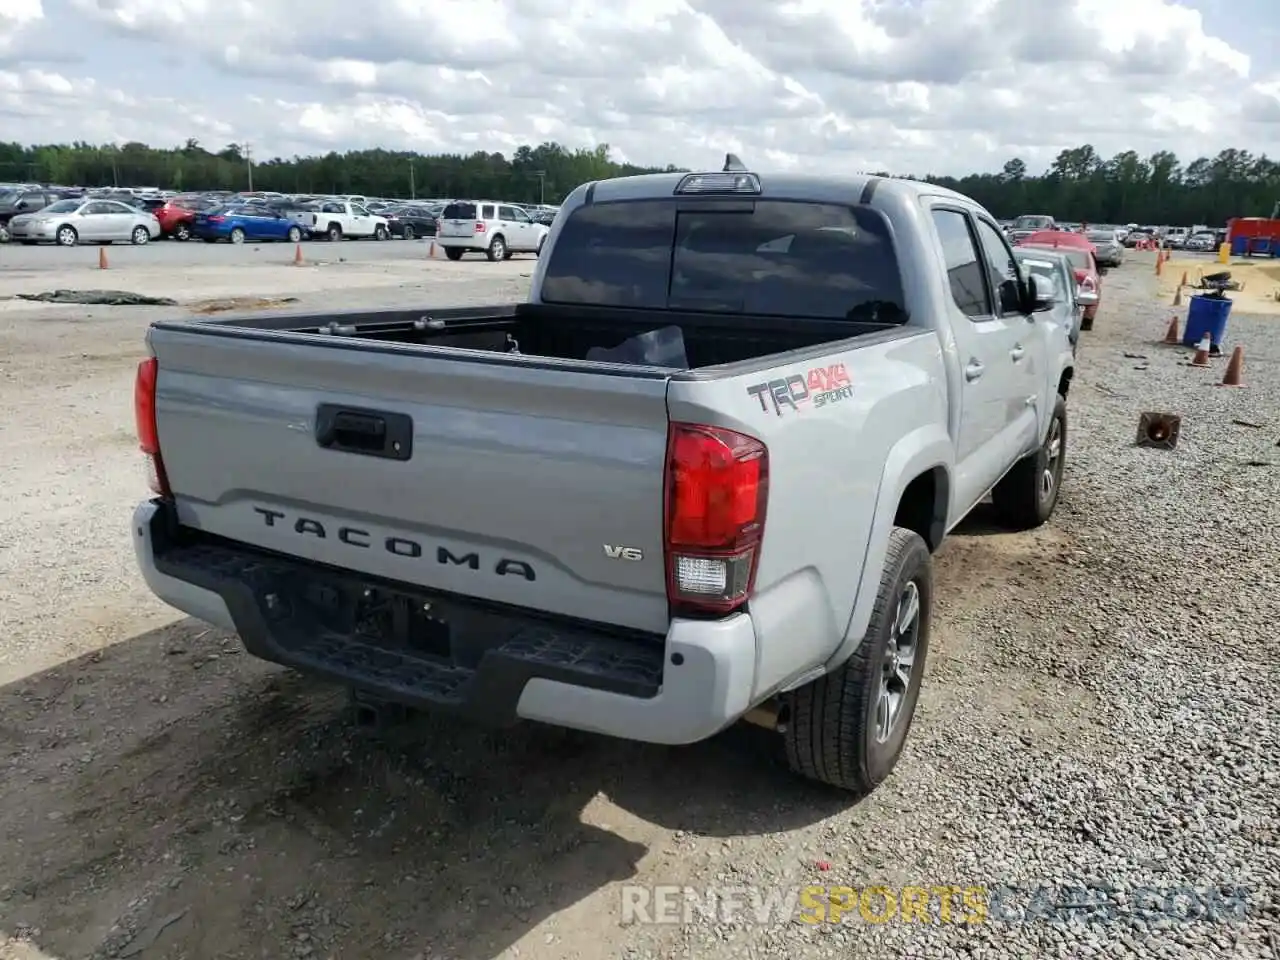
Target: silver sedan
[68, 222]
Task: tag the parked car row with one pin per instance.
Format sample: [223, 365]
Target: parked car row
[215, 216]
[1072, 260]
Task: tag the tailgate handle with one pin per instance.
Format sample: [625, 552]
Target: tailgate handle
[371, 433]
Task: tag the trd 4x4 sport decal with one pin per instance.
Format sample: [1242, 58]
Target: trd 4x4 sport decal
[818, 387]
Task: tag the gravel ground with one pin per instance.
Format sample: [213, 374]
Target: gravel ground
[1098, 714]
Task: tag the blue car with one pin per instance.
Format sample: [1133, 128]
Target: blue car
[238, 224]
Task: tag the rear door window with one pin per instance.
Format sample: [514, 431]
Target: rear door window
[963, 262]
[774, 257]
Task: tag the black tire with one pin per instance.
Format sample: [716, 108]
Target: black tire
[408, 232]
[294, 235]
[380, 232]
[497, 249]
[182, 231]
[833, 732]
[140, 236]
[1027, 495]
[334, 233]
[453, 253]
[1086, 323]
[67, 236]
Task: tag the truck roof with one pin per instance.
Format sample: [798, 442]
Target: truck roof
[797, 186]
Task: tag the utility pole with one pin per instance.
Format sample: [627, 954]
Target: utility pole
[248, 162]
[542, 185]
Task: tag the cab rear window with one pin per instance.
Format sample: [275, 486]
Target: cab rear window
[772, 257]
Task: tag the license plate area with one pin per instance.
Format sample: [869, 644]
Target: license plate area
[384, 618]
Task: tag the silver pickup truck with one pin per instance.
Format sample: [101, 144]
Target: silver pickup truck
[699, 474]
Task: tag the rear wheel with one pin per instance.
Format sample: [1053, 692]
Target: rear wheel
[182, 231]
[847, 728]
[497, 249]
[140, 236]
[380, 232]
[453, 253]
[334, 233]
[408, 232]
[237, 235]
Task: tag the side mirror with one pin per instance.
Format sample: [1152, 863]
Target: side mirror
[1044, 293]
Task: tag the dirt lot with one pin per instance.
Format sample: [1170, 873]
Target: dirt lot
[166, 796]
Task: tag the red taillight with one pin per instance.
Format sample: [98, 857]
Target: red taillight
[144, 415]
[716, 489]
[479, 226]
[216, 219]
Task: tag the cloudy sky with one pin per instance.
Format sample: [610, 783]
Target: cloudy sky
[912, 86]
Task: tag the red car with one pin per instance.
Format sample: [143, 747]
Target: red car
[176, 215]
[1083, 257]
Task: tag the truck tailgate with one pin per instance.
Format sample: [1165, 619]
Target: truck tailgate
[512, 483]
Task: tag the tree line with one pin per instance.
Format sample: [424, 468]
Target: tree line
[1079, 184]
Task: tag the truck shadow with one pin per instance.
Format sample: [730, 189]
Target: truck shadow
[171, 790]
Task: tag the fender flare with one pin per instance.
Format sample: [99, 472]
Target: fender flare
[920, 451]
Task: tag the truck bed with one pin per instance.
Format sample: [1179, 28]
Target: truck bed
[528, 331]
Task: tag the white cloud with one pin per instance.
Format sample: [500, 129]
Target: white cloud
[905, 85]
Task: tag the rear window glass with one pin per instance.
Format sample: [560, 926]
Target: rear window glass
[1080, 259]
[459, 211]
[782, 258]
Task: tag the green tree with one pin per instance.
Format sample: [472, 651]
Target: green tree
[1078, 185]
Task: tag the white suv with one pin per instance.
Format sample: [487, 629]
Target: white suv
[497, 230]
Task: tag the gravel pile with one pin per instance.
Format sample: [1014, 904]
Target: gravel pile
[1105, 761]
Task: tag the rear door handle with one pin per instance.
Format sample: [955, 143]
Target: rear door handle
[974, 370]
[1017, 353]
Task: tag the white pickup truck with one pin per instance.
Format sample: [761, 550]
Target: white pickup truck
[340, 218]
[698, 475]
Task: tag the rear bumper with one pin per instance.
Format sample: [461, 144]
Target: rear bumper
[488, 664]
[477, 242]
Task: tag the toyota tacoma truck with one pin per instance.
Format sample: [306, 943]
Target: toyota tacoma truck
[698, 475]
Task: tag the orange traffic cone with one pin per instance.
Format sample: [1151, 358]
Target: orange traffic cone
[102, 258]
[1235, 369]
[1171, 334]
[1159, 263]
[1177, 297]
[431, 252]
[1201, 359]
[297, 255]
[1184, 279]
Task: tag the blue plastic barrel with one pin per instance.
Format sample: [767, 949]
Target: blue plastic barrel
[1206, 315]
[1239, 246]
